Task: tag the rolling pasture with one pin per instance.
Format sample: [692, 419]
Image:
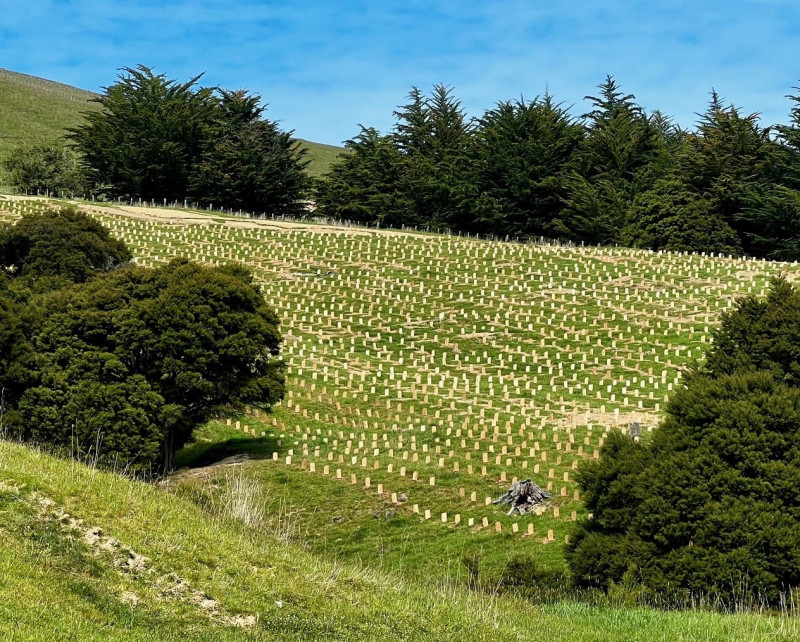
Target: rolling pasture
[426, 373]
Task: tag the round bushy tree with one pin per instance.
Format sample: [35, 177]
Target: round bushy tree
[61, 244]
[89, 404]
[120, 365]
[47, 168]
[129, 363]
[711, 504]
[670, 217]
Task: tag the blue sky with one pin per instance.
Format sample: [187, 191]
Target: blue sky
[325, 67]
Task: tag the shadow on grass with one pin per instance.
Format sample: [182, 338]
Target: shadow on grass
[204, 453]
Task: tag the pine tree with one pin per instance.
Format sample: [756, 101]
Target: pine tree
[147, 136]
[520, 159]
[728, 162]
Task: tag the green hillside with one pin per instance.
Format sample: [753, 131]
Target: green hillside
[34, 110]
[321, 157]
[88, 555]
[425, 374]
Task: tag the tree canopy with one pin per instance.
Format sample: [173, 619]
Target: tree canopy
[521, 158]
[122, 364]
[60, 244]
[618, 174]
[710, 505]
[248, 163]
[159, 139]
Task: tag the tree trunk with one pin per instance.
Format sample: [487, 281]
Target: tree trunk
[523, 496]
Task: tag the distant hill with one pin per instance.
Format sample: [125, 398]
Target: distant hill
[34, 110]
[321, 156]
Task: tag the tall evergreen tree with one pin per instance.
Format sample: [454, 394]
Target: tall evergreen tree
[788, 151]
[247, 162]
[618, 159]
[146, 137]
[413, 130]
[771, 206]
[433, 135]
[365, 184]
[520, 159]
[727, 162]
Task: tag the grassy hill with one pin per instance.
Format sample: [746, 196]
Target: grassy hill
[88, 555]
[34, 110]
[321, 157]
[426, 373]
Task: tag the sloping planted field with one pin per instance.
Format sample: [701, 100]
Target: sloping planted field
[427, 373]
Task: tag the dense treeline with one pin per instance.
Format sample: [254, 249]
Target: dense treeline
[118, 362]
[615, 175]
[710, 505]
[158, 139]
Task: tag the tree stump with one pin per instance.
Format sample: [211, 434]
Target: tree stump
[523, 496]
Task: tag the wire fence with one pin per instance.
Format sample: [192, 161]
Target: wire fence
[53, 88]
[313, 218]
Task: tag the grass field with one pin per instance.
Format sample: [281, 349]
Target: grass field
[35, 111]
[88, 555]
[426, 373]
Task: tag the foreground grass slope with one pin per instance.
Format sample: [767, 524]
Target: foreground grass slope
[34, 111]
[88, 555]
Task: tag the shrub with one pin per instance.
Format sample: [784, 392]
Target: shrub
[49, 168]
[710, 505]
[523, 571]
[58, 245]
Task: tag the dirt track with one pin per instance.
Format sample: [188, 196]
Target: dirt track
[187, 217]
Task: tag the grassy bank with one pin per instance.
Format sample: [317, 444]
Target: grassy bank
[89, 555]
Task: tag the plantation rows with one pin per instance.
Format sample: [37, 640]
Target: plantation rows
[435, 370]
